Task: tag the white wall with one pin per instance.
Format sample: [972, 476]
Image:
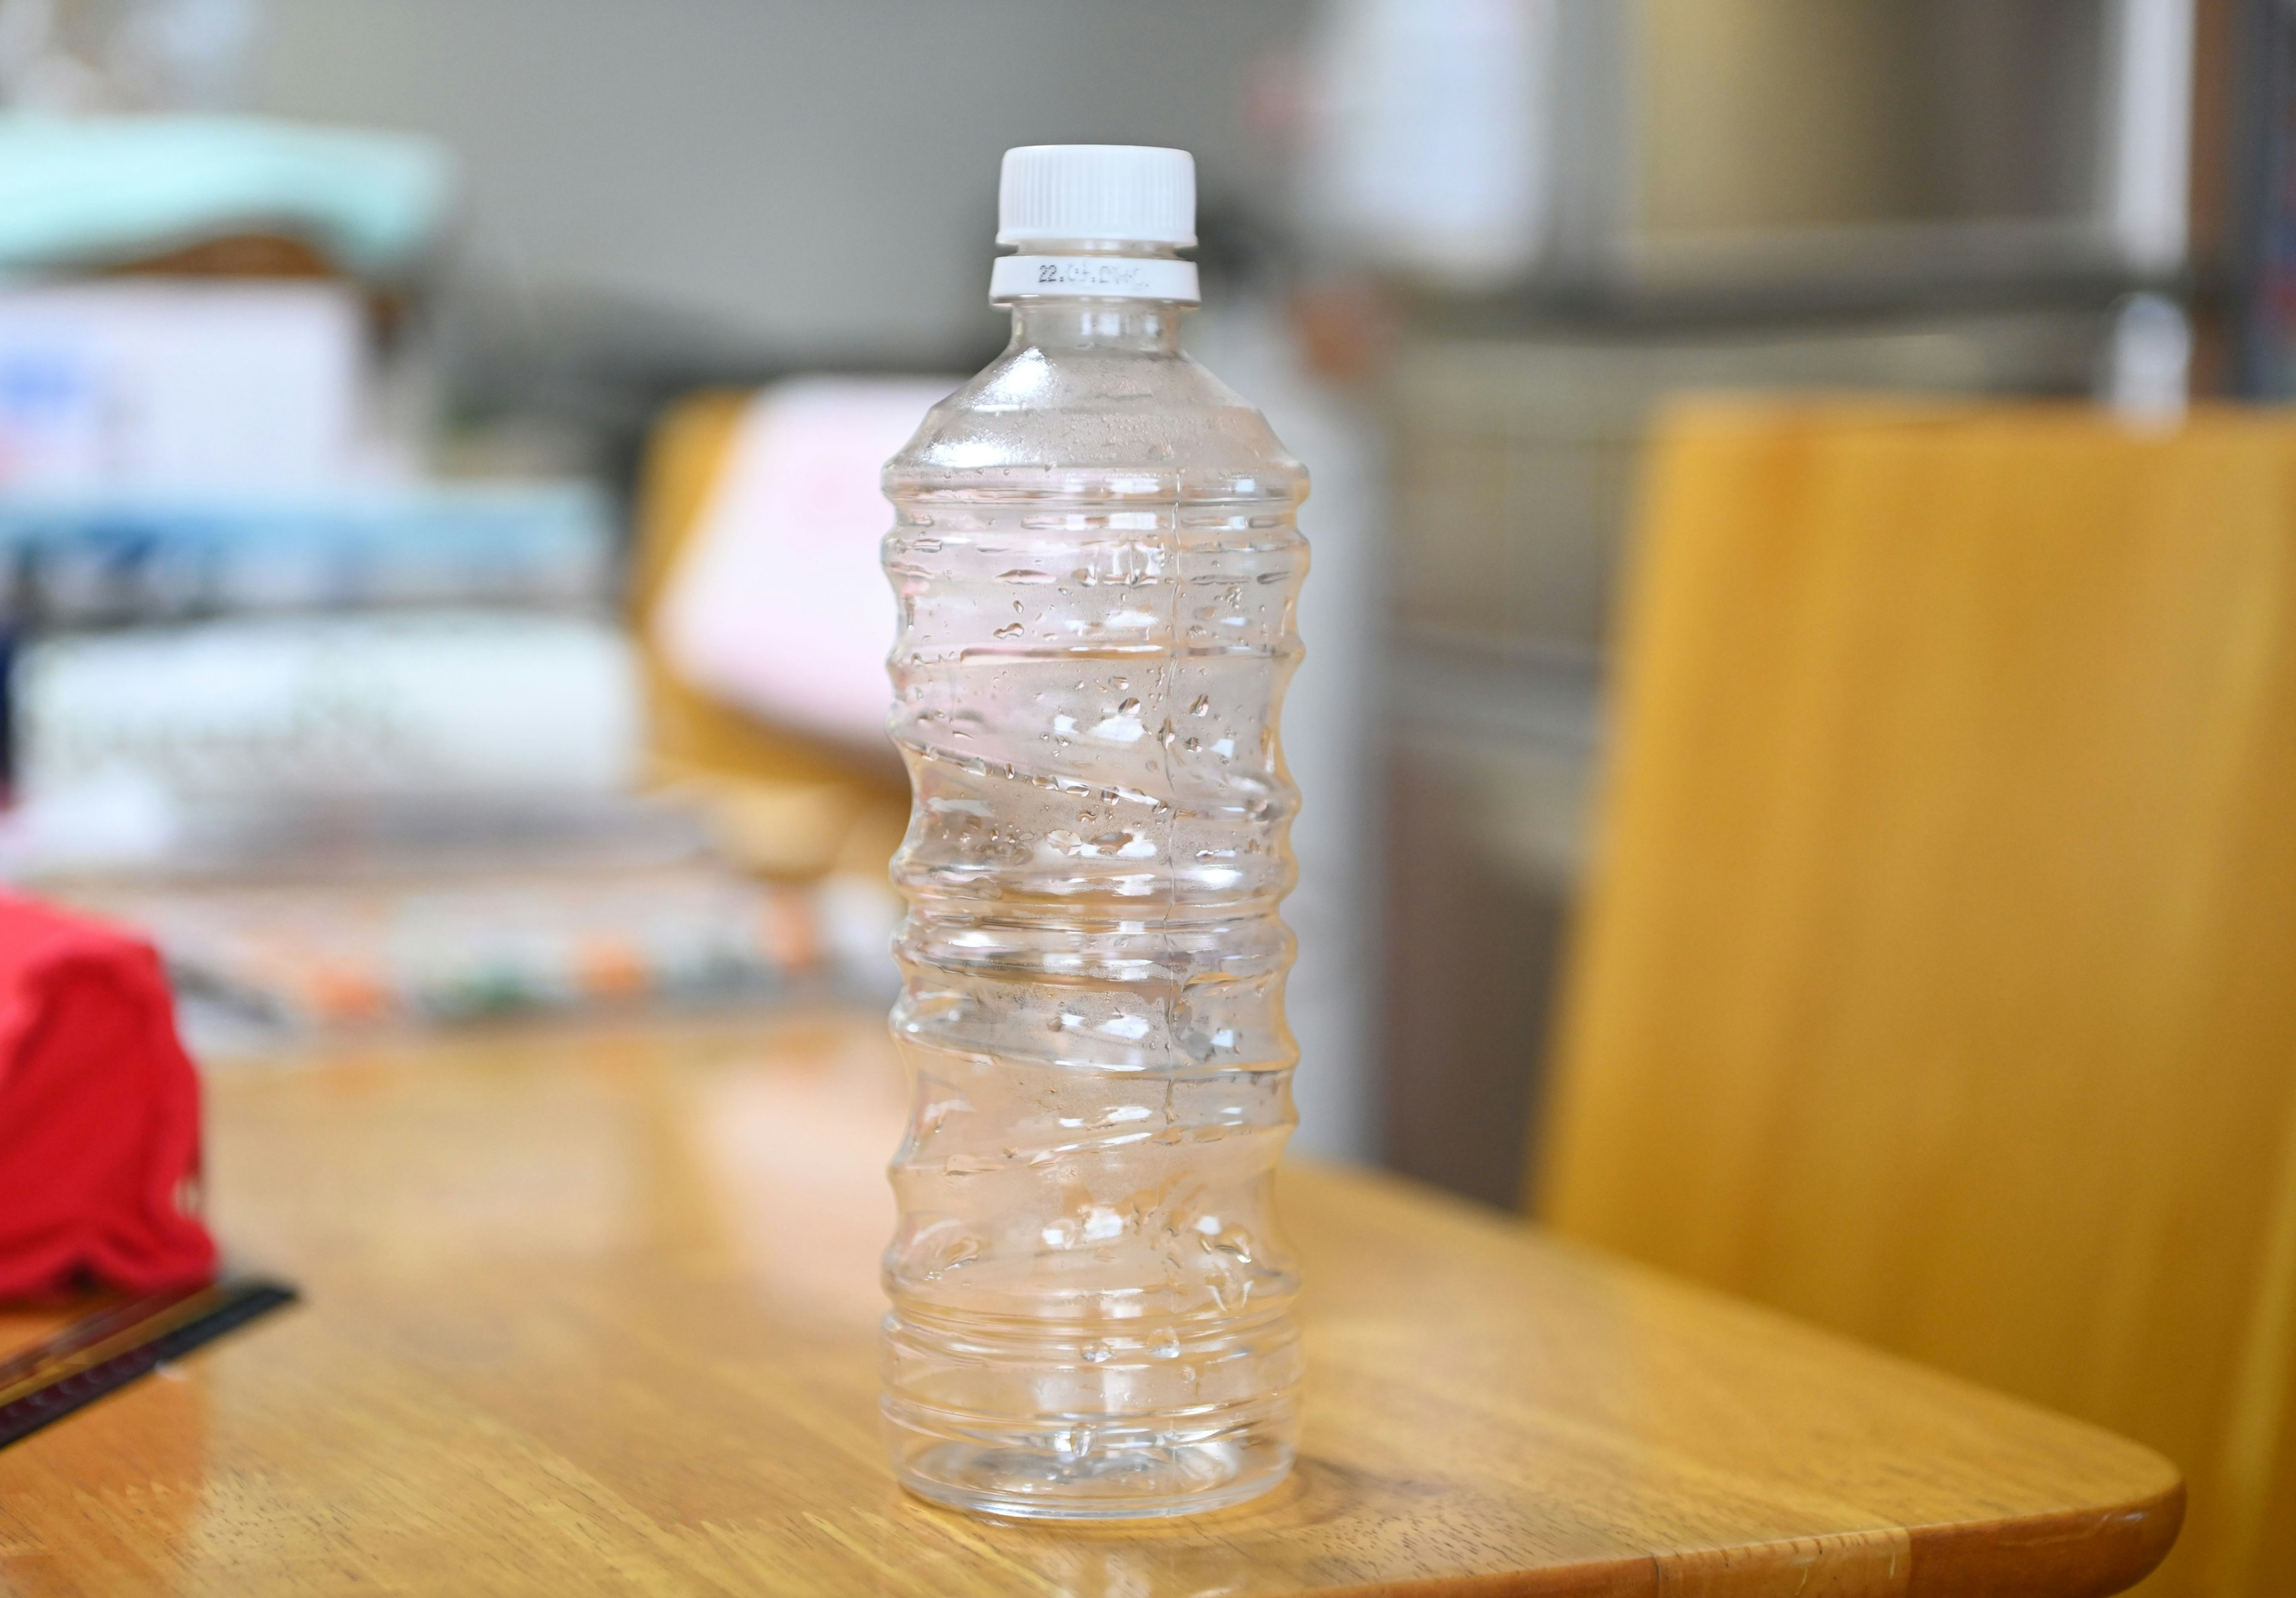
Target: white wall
[818, 176]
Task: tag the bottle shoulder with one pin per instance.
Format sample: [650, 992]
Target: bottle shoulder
[1161, 421]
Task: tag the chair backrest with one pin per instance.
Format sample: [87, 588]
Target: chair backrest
[1937, 978]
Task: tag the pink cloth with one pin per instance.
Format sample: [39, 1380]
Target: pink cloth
[99, 1113]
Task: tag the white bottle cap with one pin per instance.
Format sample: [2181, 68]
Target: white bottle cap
[1123, 194]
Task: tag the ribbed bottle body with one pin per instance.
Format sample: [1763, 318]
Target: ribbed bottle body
[1091, 1298]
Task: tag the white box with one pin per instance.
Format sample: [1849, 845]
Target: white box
[168, 384]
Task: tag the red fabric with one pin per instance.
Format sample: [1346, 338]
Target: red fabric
[99, 1113]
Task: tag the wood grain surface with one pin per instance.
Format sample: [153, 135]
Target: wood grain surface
[1935, 983]
[596, 1313]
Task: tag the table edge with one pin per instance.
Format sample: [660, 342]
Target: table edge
[2071, 1554]
[2074, 1554]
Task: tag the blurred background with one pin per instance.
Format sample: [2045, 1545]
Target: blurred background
[438, 519]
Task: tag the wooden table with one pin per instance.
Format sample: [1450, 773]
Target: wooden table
[596, 1314]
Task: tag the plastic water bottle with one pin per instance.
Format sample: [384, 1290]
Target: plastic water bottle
[1096, 559]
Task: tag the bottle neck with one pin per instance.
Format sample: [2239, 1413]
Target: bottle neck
[1124, 320]
[1109, 326]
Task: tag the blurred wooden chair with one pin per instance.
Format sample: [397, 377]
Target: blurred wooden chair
[1938, 979]
[786, 804]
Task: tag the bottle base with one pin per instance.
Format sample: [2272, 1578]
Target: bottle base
[1032, 1484]
[1148, 1421]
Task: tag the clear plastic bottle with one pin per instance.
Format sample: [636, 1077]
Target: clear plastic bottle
[1096, 559]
